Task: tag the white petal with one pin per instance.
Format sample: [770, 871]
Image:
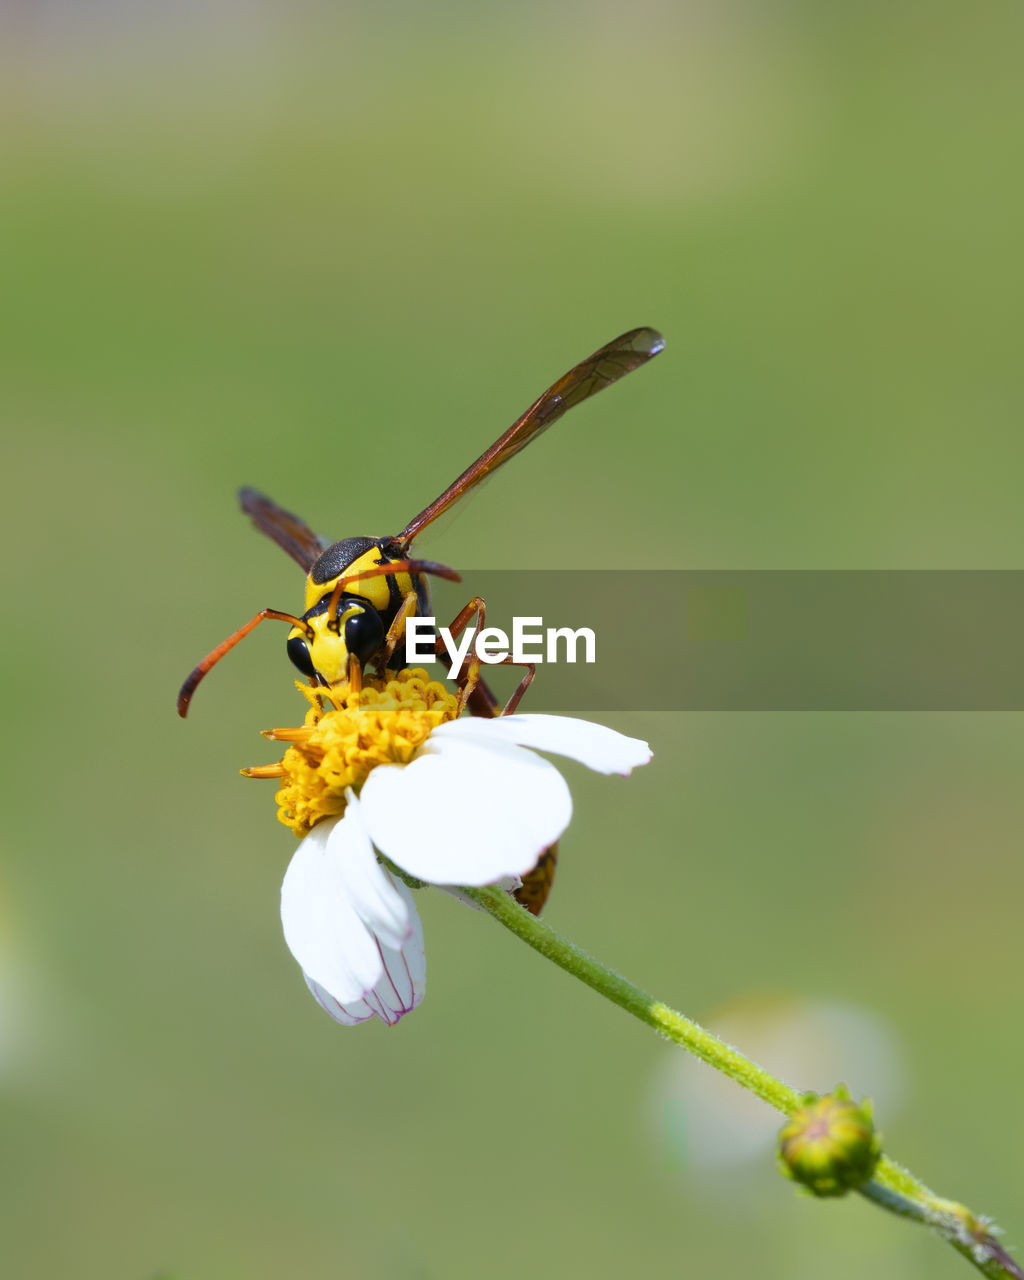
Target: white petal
[349, 1015]
[464, 812]
[595, 745]
[402, 984]
[371, 890]
[322, 927]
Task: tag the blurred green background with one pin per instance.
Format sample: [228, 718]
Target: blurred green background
[333, 251]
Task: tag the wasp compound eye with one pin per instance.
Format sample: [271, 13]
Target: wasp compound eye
[364, 634]
[299, 653]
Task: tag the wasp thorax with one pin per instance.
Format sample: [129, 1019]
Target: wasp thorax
[322, 648]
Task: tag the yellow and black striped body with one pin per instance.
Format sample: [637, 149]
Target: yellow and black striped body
[363, 612]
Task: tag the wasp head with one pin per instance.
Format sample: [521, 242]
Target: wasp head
[321, 647]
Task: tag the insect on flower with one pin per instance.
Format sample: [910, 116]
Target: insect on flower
[350, 924]
[360, 592]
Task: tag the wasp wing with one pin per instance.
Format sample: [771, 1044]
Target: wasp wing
[607, 365]
[289, 532]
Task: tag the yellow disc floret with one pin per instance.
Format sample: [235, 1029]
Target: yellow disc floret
[384, 722]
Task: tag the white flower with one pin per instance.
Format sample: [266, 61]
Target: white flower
[474, 806]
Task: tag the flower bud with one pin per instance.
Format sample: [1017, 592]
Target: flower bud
[829, 1144]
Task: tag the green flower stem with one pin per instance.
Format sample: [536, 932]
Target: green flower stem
[892, 1187]
[620, 991]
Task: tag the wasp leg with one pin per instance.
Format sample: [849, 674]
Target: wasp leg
[467, 678]
[396, 632]
[481, 699]
[474, 692]
[533, 892]
[521, 688]
[482, 702]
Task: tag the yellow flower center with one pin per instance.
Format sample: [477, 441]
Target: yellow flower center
[384, 722]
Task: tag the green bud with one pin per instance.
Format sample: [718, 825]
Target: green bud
[829, 1144]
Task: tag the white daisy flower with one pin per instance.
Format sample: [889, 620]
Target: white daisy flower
[351, 925]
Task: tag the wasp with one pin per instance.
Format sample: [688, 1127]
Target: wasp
[360, 592]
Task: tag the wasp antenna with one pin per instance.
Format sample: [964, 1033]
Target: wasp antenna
[432, 567]
[215, 655]
[388, 569]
